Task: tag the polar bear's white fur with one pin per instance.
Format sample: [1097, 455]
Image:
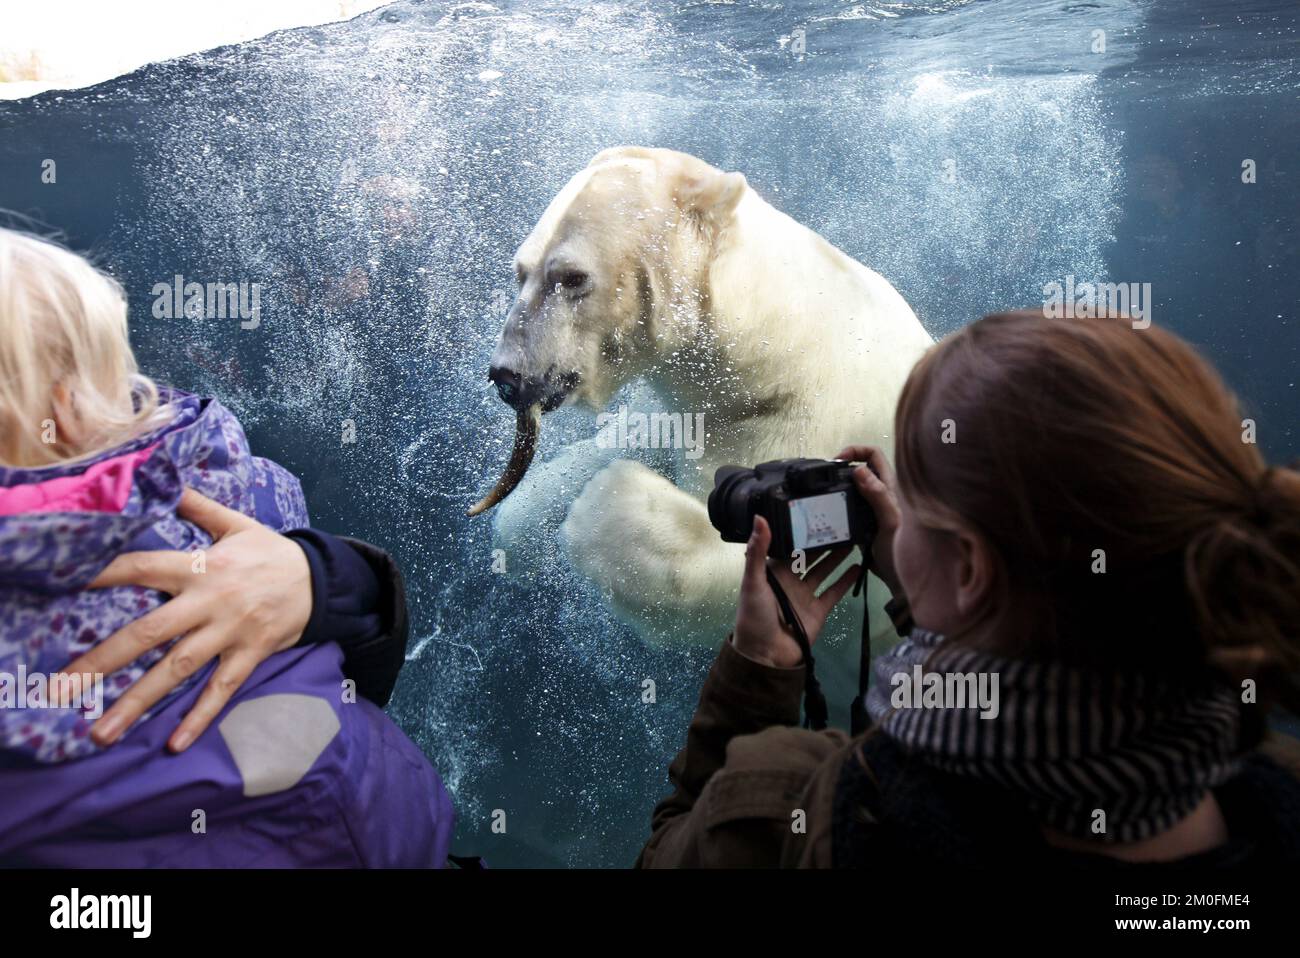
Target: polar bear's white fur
[652, 265]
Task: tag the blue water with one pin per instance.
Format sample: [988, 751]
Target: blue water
[376, 176]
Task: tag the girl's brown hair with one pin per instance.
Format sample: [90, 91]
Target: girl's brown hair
[1109, 468]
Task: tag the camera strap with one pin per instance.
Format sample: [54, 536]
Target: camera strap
[815, 711]
[858, 717]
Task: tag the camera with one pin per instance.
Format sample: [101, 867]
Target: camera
[808, 503]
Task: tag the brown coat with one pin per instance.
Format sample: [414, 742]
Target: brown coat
[748, 774]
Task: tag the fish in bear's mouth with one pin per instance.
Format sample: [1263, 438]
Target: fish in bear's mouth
[529, 404]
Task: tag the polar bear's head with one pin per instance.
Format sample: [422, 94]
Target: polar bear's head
[612, 277]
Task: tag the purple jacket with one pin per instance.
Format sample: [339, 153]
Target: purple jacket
[296, 771]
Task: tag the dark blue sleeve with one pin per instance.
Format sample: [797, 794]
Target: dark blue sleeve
[359, 603]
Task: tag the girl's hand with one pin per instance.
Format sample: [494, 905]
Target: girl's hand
[879, 487]
[250, 599]
[760, 634]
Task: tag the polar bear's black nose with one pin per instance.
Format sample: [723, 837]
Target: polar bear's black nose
[513, 389]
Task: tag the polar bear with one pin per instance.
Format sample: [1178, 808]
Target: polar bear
[653, 267]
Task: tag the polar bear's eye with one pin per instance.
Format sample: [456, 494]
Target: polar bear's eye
[571, 279]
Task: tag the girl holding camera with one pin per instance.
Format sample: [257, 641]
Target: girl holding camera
[1080, 514]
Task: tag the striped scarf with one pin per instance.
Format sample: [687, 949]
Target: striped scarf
[1102, 756]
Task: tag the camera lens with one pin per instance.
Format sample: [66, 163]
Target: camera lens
[729, 503]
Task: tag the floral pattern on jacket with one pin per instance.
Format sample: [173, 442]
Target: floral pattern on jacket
[48, 617]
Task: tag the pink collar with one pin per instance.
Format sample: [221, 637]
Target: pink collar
[104, 487]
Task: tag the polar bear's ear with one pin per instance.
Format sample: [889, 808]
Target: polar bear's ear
[627, 153]
[711, 198]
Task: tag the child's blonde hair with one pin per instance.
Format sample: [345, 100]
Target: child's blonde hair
[69, 384]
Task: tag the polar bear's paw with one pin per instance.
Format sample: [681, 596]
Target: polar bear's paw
[630, 529]
[596, 532]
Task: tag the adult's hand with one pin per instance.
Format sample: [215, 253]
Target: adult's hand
[252, 598]
[879, 487]
[760, 633]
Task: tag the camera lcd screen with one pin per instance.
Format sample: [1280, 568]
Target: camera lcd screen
[819, 520]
